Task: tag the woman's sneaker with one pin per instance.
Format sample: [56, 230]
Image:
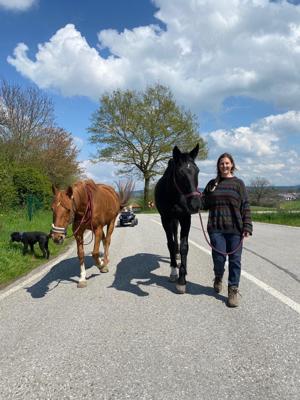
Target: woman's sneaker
[218, 284]
[233, 292]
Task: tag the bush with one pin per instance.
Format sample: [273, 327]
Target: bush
[8, 193]
[30, 181]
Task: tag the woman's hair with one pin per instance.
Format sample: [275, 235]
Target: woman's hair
[225, 155]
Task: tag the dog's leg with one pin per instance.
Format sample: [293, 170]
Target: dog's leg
[42, 247]
[47, 249]
[25, 247]
[31, 247]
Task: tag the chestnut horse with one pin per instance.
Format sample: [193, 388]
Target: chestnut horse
[91, 206]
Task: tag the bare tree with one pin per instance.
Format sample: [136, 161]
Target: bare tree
[28, 134]
[260, 188]
[23, 114]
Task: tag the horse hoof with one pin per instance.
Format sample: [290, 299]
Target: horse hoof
[181, 288]
[82, 284]
[104, 269]
[173, 278]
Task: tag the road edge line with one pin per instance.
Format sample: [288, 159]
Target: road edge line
[269, 289]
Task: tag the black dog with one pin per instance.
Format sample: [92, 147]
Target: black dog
[30, 238]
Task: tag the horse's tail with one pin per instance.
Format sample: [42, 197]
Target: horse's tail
[125, 191]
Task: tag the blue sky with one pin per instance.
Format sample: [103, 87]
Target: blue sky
[235, 64]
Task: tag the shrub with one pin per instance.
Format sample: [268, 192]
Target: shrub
[8, 193]
[30, 181]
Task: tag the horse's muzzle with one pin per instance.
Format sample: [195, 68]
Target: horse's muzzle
[58, 234]
[194, 204]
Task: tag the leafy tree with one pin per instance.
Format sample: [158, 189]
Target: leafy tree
[57, 154]
[139, 130]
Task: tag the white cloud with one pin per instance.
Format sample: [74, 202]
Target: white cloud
[246, 140]
[79, 142]
[105, 172]
[18, 5]
[266, 148]
[208, 51]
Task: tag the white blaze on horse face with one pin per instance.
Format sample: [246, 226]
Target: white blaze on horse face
[82, 273]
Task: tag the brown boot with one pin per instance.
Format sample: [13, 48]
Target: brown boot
[233, 292]
[218, 284]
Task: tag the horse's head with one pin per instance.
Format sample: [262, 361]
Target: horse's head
[185, 176]
[62, 207]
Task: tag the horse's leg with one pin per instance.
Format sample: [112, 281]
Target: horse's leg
[168, 225]
[80, 252]
[96, 253]
[110, 229]
[175, 236]
[185, 224]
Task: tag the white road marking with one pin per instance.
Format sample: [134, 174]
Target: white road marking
[269, 289]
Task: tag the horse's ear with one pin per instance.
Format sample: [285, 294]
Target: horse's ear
[54, 189]
[195, 151]
[69, 191]
[176, 153]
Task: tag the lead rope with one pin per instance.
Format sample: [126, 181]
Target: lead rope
[87, 216]
[214, 248]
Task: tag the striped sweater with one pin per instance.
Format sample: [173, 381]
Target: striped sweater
[228, 205]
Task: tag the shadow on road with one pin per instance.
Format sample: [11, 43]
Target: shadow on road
[65, 272]
[136, 272]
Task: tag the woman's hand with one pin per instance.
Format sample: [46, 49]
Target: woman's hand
[246, 234]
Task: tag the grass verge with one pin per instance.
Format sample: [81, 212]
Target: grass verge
[12, 262]
[280, 217]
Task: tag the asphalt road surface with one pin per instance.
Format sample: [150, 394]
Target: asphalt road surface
[129, 335]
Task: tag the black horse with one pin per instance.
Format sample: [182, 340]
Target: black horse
[176, 198]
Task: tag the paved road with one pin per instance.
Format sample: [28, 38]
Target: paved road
[128, 335]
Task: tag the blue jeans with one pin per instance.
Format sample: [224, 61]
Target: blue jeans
[227, 242]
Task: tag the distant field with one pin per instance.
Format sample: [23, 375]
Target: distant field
[280, 217]
[290, 205]
[12, 263]
[288, 213]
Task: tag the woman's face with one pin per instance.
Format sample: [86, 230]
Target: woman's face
[225, 167]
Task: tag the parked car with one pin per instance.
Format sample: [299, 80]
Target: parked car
[127, 217]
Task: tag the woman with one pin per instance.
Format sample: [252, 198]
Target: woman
[229, 221]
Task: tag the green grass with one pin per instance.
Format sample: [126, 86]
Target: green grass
[12, 262]
[290, 205]
[280, 217]
[260, 208]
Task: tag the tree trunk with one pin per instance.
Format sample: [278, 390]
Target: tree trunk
[146, 192]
